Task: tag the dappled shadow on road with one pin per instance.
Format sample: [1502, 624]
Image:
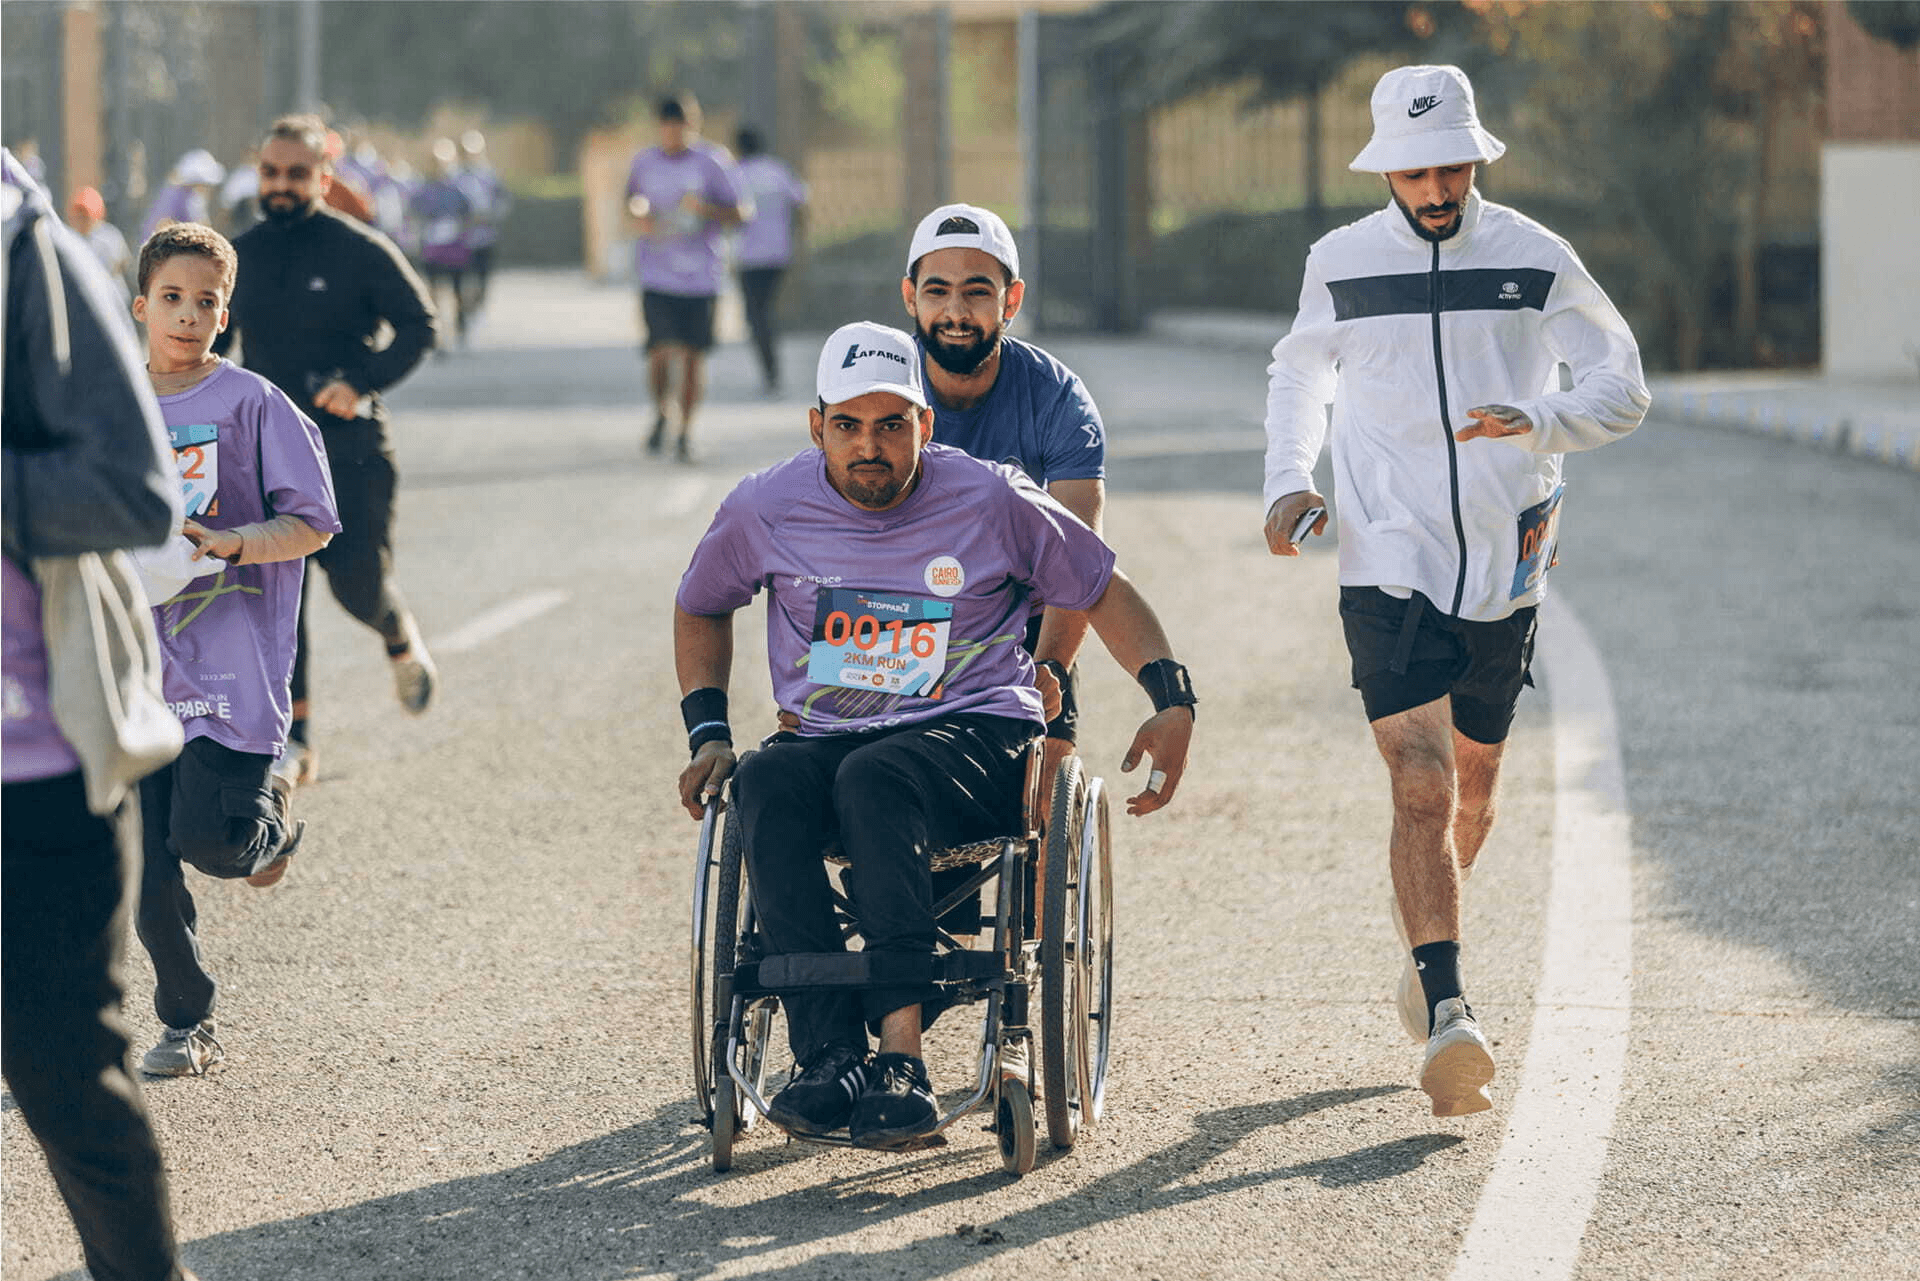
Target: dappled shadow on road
[641, 1200]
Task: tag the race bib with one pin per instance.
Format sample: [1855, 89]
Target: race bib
[1539, 540]
[879, 642]
[196, 450]
[443, 231]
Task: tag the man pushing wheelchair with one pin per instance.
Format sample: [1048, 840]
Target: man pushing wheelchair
[898, 574]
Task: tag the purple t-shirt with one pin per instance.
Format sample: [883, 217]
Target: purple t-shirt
[226, 642]
[682, 256]
[766, 239]
[879, 619]
[32, 746]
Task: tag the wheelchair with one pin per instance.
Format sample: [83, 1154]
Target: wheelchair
[1052, 928]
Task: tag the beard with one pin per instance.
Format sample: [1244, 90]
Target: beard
[283, 208]
[871, 488]
[1421, 229]
[965, 358]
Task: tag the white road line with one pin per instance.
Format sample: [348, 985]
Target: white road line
[502, 618]
[1534, 1208]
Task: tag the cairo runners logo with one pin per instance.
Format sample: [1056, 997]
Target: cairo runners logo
[1510, 290]
[945, 577]
[1421, 106]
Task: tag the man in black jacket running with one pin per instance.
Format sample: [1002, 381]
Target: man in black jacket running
[312, 292]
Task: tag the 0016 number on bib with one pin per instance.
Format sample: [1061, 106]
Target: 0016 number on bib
[880, 642]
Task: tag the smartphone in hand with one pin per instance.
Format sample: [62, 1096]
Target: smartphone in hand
[1304, 525]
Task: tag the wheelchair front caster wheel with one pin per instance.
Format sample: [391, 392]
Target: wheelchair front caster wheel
[1013, 1119]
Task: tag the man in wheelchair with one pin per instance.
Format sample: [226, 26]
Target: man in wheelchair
[898, 574]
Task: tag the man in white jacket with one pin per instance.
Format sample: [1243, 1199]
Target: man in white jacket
[1464, 350]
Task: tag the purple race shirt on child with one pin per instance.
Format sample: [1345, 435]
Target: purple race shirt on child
[226, 642]
[880, 619]
[682, 256]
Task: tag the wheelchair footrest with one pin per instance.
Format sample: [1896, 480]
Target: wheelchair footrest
[795, 971]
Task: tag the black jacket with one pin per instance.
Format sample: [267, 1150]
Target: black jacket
[308, 303]
[86, 462]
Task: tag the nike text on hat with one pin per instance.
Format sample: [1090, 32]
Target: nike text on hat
[964, 227]
[1424, 117]
[864, 357]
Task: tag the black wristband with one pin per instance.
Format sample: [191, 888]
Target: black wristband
[1168, 685]
[1065, 726]
[705, 713]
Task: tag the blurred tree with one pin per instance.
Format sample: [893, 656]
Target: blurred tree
[572, 66]
[1174, 48]
[1665, 113]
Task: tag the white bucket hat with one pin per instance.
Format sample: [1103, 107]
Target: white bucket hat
[965, 227]
[865, 357]
[1423, 117]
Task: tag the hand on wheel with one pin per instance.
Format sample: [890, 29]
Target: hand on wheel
[705, 777]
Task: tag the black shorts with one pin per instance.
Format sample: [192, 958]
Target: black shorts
[1481, 666]
[681, 320]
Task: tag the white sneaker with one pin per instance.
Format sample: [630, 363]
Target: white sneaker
[184, 1051]
[1458, 1064]
[414, 673]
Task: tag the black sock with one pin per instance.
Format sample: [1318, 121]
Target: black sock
[1439, 968]
[298, 731]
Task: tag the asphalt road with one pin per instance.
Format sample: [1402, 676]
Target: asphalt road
[455, 1032]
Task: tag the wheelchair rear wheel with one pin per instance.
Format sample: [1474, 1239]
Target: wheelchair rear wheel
[1095, 937]
[717, 924]
[1066, 977]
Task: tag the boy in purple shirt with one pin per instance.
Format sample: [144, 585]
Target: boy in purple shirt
[897, 575]
[260, 499]
[681, 195]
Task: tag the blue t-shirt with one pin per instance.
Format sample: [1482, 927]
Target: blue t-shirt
[1038, 417]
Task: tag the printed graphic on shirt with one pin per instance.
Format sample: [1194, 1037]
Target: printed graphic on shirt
[880, 641]
[178, 612]
[1539, 541]
[196, 449]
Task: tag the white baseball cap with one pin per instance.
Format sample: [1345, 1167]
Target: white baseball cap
[865, 357]
[964, 227]
[1423, 117]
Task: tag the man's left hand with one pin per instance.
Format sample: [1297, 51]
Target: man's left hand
[1163, 739]
[1495, 421]
[338, 398]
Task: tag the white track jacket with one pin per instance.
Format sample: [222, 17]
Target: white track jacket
[1403, 336]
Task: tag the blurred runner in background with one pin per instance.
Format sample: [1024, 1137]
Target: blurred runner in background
[766, 244]
[681, 195]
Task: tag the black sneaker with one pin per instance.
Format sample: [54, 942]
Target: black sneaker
[897, 1106]
[820, 1099]
[657, 438]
